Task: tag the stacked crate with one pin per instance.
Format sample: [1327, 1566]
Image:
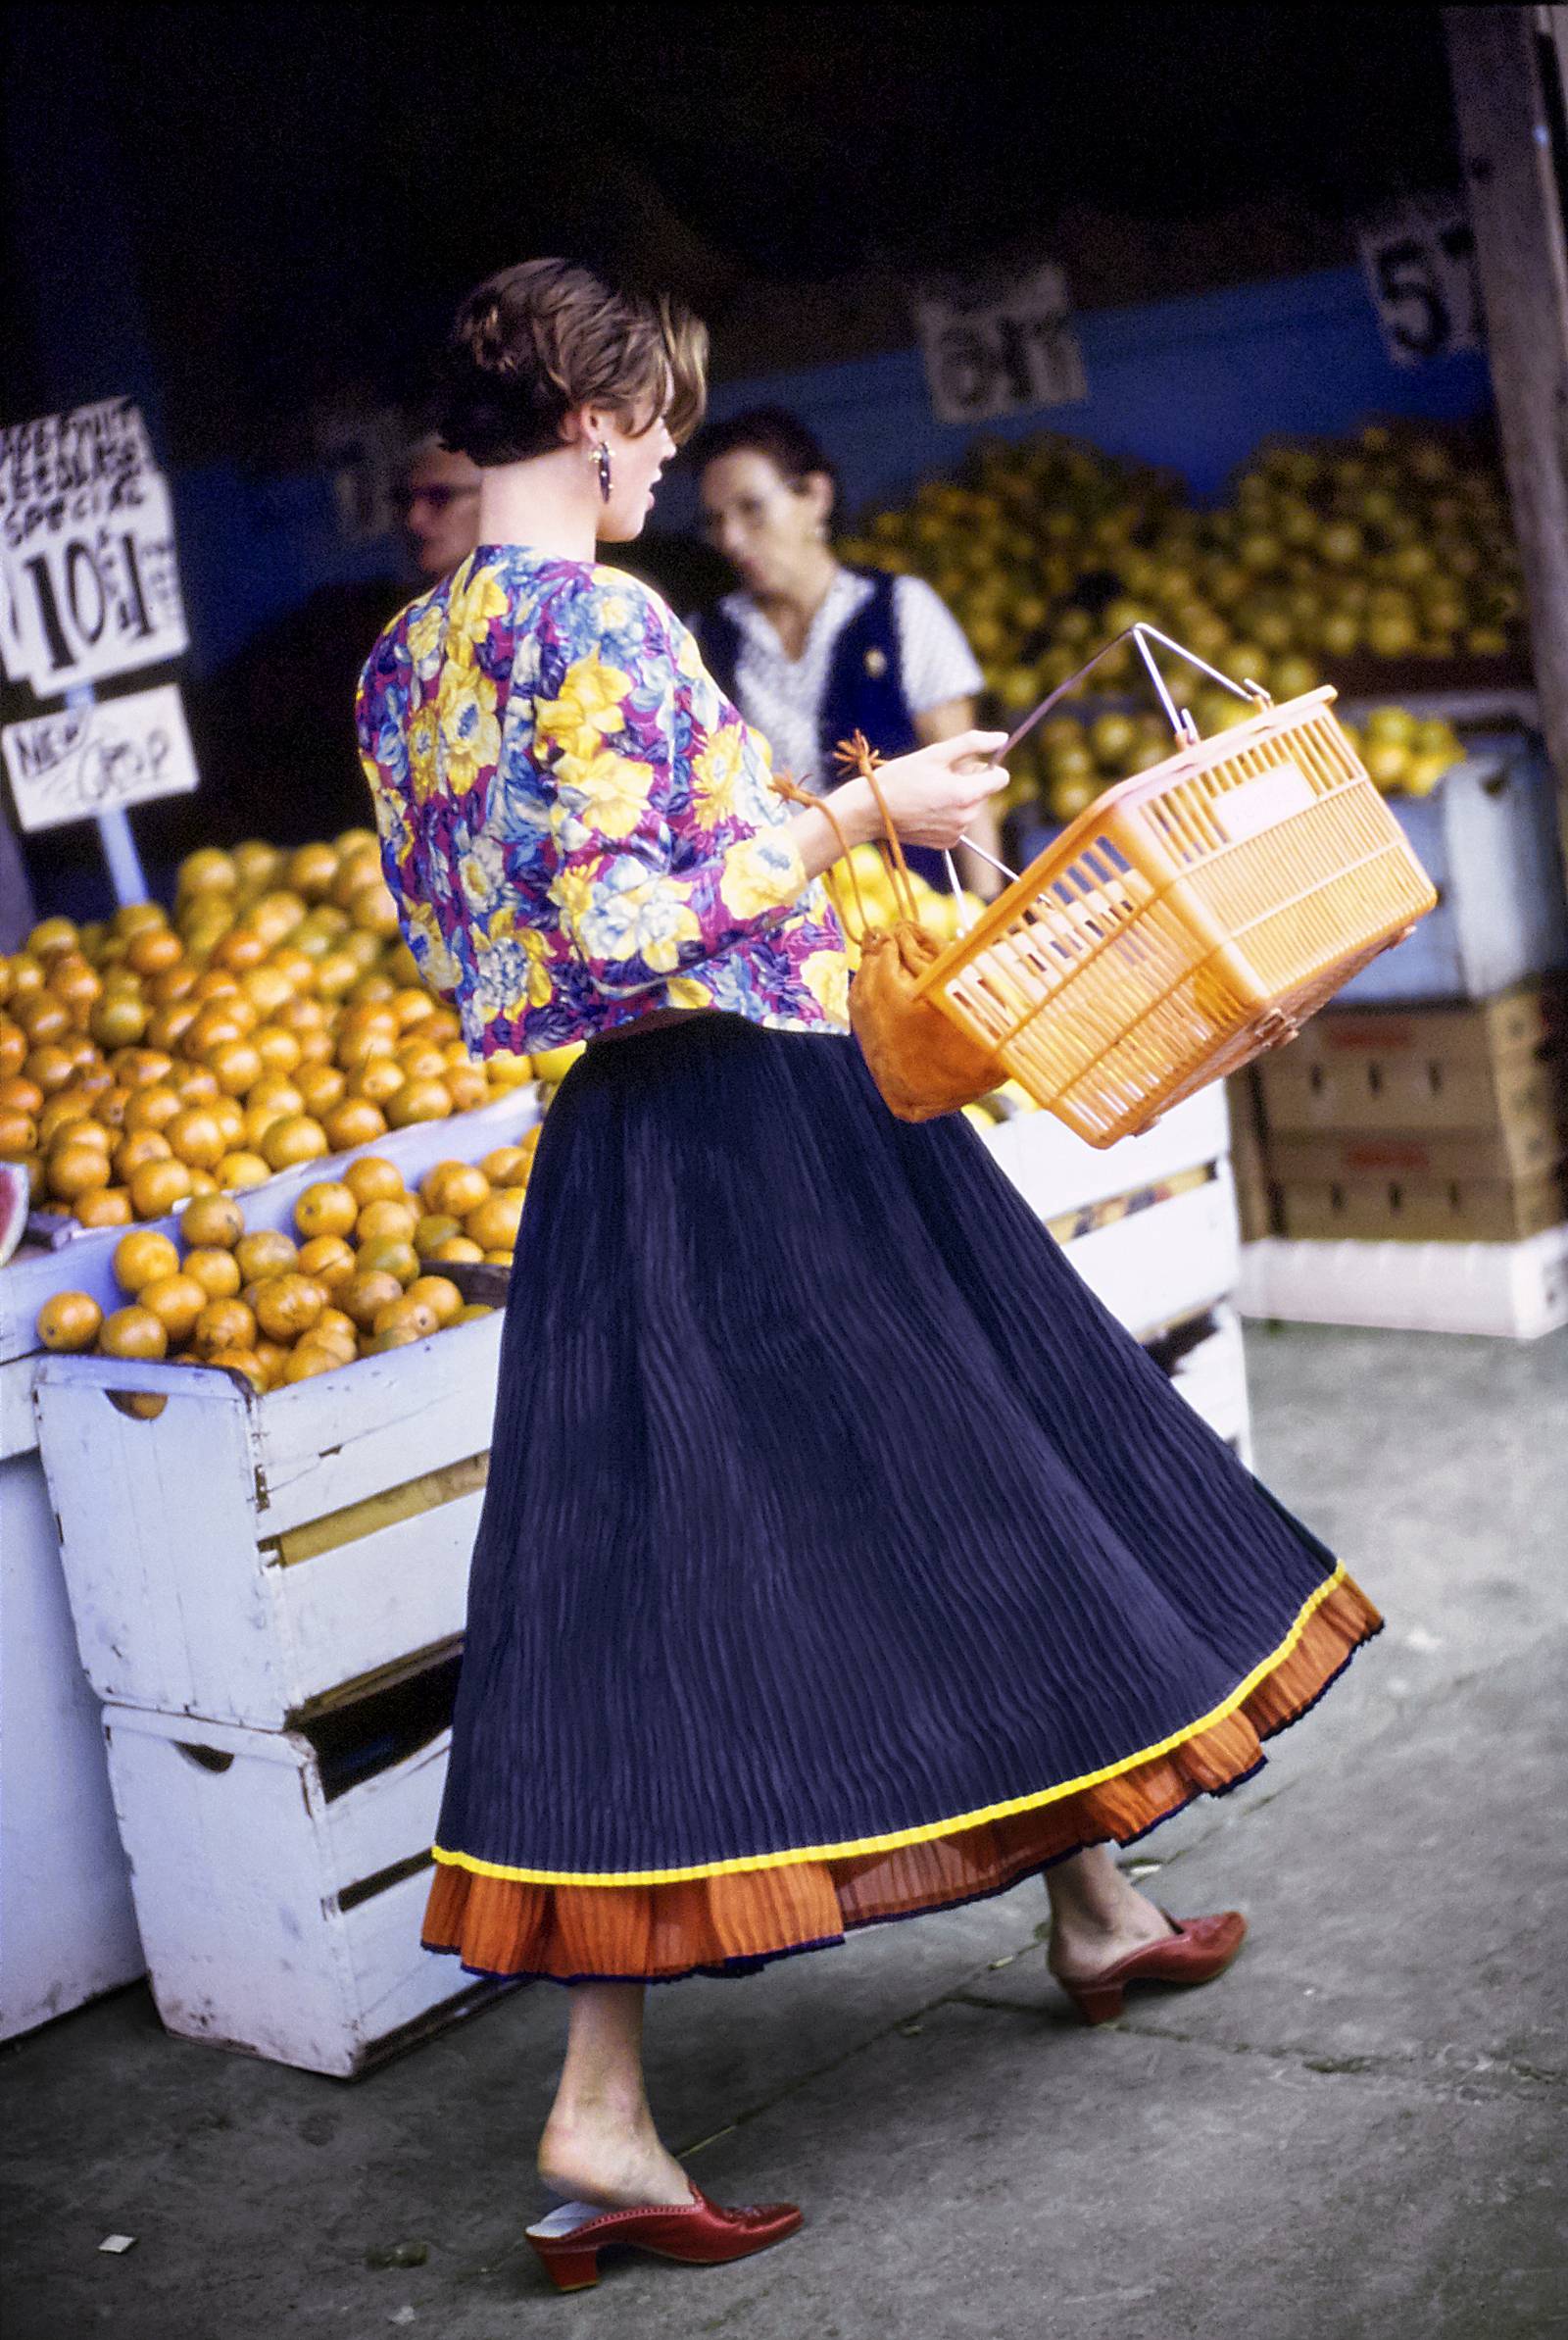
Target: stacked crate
[268, 1595]
[1410, 1148]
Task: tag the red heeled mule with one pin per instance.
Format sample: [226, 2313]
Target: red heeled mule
[1199, 1949]
[699, 2233]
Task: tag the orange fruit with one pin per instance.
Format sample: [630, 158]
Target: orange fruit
[168, 1028]
[466, 1086]
[454, 1188]
[211, 1221]
[374, 1179]
[295, 1139]
[365, 1293]
[266, 987]
[50, 1068]
[400, 1335]
[77, 1169]
[140, 1258]
[193, 1084]
[68, 1322]
[133, 1332]
[177, 1301]
[69, 1113]
[51, 938]
[326, 1208]
[201, 1182]
[196, 1137]
[335, 1329]
[43, 1017]
[393, 1257]
[386, 1220]
[494, 1225]
[278, 1048]
[175, 983]
[321, 1086]
[273, 1357]
[152, 949]
[19, 1135]
[267, 1252]
[421, 1058]
[455, 1248]
[472, 1308]
[215, 1268]
[411, 1006]
[159, 1187]
[419, 1101]
[287, 1306]
[310, 871]
[143, 1145]
[116, 1019]
[229, 1114]
[153, 1107]
[254, 863]
[329, 1260]
[406, 1311]
[356, 1121]
[13, 1048]
[309, 1358]
[360, 1043]
[335, 971]
[222, 1324]
[315, 1048]
[105, 1207]
[241, 1361]
[277, 1091]
[241, 1169]
[379, 1080]
[432, 1228]
[18, 1094]
[440, 1294]
[236, 1065]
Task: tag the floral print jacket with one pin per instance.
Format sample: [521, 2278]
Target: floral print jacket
[576, 826]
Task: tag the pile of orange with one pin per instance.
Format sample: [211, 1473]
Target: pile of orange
[276, 1018]
[361, 1273]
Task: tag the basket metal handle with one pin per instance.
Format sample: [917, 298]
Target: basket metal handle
[1181, 723]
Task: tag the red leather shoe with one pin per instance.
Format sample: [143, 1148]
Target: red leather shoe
[1197, 1951]
[699, 2233]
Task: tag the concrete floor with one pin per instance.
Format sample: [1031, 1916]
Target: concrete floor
[1360, 2131]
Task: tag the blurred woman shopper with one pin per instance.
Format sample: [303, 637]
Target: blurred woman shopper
[438, 505]
[810, 651]
[783, 1617]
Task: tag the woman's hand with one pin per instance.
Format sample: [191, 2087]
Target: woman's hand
[932, 794]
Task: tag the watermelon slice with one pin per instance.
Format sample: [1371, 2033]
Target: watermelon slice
[15, 1195]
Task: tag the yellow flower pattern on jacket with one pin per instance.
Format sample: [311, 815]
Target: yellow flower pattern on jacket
[576, 826]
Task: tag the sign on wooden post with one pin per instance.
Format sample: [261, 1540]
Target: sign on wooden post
[998, 346]
[1418, 256]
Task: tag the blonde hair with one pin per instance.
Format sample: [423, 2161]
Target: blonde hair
[532, 343]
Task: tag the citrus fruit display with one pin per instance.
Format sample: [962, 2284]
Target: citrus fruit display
[1394, 544]
[274, 1019]
[361, 1273]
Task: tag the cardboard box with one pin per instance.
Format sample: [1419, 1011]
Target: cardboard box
[1528, 1146]
[1485, 1069]
[1425, 1210]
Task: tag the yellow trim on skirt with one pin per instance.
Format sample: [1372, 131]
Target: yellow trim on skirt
[902, 1836]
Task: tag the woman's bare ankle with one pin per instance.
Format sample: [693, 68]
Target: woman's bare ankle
[585, 2155]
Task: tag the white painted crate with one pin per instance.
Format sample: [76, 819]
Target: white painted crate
[244, 1558]
[1515, 1291]
[280, 1917]
[1055, 1171]
[1166, 1261]
[1213, 1379]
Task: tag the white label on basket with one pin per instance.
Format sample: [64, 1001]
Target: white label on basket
[1246, 812]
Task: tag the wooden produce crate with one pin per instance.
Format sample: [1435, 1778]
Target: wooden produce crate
[1166, 1260]
[280, 1876]
[249, 1559]
[1487, 836]
[1057, 1171]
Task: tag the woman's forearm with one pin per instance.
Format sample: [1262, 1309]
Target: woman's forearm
[818, 842]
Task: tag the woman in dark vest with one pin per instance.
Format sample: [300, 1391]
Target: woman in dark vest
[809, 650]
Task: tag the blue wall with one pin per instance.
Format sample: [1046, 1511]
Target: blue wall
[1192, 384]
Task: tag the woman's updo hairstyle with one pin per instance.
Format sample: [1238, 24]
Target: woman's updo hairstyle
[795, 453]
[532, 343]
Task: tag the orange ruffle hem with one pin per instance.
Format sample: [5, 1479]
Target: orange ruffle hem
[505, 1925]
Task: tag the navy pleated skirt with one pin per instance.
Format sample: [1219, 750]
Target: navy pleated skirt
[841, 1556]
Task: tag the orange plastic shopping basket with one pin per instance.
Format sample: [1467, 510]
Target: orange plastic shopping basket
[1191, 918]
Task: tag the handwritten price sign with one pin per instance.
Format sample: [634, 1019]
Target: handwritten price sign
[1419, 263]
[98, 758]
[999, 348]
[86, 550]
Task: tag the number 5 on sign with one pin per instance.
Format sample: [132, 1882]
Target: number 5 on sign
[1419, 260]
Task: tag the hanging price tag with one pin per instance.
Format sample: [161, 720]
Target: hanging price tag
[91, 587]
[99, 757]
[1000, 347]
[1419, 261]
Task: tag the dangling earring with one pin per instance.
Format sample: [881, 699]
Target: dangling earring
[600, 454]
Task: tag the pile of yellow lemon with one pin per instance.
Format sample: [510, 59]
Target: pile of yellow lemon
[274, 1019]
[361, 1273]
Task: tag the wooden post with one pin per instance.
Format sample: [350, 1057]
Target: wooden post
[1500, 59]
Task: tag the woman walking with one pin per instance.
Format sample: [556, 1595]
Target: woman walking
[841, 1556]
